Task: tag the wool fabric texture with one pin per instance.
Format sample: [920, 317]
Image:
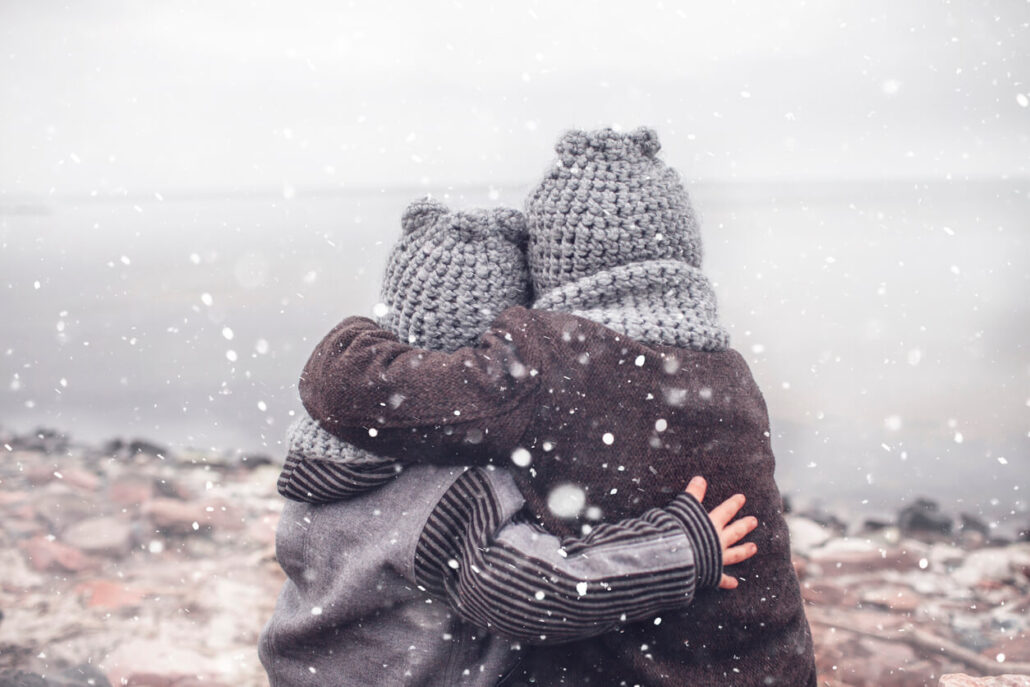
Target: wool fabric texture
[452, 273]
[448, 276]
[613, 237]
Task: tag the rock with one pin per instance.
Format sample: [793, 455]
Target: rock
[79, 676]
[834, 562]
[882, 663]
[897, 598]
[113, 446]
[156, 664]
[822, 517]
[17, 577]
[963, 680]
[105, 536]
[822, 594]
[972, 523]
[174, 489]
[82, 479]
[43, 440]
[875, 524]
[806, 535]
[40, 474]
[253, 460]
[142, 446]
[969, 630]
[994, 565]
[922, 518]
[131, 490]
[46, 554]
[20, 678]
[1015, 648]
[946, 556]
[75, 476]
[12, 498]
[64, 508]
[19, 516]
[172, 516]
[109, 594]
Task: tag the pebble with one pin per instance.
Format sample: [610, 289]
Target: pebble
[106, 536]
[923, 518]
[806, 535]
[963, 680]
[102, 565]
[43, 553]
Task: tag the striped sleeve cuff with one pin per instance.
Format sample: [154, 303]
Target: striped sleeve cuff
[508, 576]
[439, 545]
[705, 540]
[312, 480]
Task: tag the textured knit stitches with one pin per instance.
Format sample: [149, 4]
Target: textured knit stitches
[553, 590]
[609, 210]
[452, 273]
[447, 278]
[660, 302]
[311, 472]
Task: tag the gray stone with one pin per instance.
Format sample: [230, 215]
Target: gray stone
[806, 535]
[100, 536]
[963, 680]
[923, 517]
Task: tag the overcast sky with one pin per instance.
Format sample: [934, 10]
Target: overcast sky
[231, 96]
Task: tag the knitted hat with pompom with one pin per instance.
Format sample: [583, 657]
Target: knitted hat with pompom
[613, 238]
[449, 275]
[452, 273]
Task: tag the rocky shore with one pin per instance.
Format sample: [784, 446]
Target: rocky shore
[129, 564]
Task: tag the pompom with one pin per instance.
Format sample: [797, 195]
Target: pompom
[647, 140]
[511, 225]
[607, 142]
[572, 143]
[422, 213]
[469, 224]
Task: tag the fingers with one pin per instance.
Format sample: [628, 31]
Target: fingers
[728, 582]
[726, 510]
[697, 488]
[740, 553]
[737, 530]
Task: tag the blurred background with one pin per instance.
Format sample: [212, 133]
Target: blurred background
[192, 194]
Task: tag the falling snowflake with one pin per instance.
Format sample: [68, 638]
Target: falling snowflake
[566, 500]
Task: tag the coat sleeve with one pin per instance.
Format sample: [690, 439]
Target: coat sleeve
[385, 396]
[511, 578]
[321, 468]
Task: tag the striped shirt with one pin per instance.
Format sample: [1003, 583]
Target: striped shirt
[505, 574]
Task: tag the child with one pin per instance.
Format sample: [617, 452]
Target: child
[619, 380]
[354, 608]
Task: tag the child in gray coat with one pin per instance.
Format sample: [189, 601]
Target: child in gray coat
[431, 575]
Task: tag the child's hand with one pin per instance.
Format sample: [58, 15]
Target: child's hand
[728, 534]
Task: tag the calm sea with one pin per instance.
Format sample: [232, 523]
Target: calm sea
[887, 323]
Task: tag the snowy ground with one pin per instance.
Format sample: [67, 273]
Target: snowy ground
[157, 567]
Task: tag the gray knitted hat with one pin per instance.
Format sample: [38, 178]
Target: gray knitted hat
[452, 273]
[448, 277]
[613, 238]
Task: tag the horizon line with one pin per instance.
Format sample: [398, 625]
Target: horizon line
[290, 193]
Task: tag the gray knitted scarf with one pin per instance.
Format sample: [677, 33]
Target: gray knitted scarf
[659, 302]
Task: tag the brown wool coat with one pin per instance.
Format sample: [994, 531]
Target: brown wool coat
[557, 384]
